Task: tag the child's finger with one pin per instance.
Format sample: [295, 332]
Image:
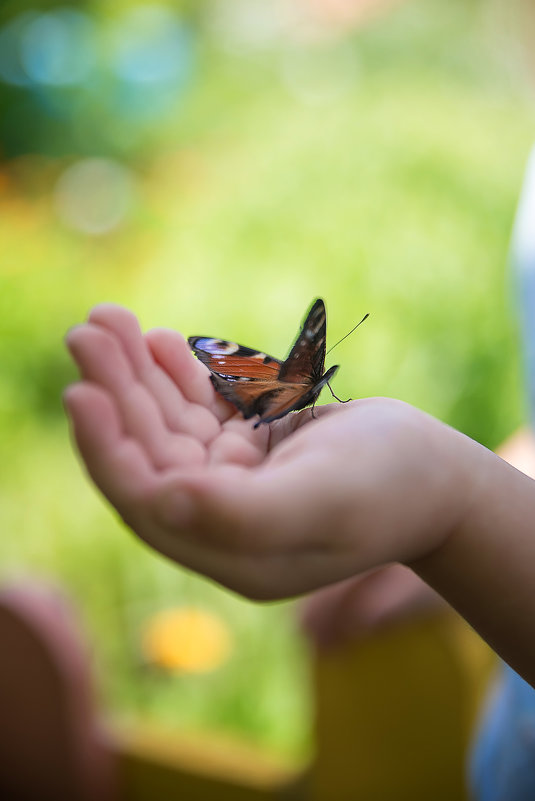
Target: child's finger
[173, 353]
[102, 361]
[123, 472]
[239, 443]
[178, 413]
[123, 324]
[117, 464]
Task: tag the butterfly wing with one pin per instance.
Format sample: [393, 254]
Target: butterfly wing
[269, 400]
[291, 397]
[304, 366]
[258, 384]
[306, 359]
[243, 376]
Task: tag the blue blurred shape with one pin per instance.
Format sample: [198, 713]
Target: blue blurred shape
[523, 257]
[89, 82]
[151, 46]
[58, 48]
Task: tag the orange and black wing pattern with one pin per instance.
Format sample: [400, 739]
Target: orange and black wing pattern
[258, 384]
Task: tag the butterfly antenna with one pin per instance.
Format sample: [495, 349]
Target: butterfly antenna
[348, 334]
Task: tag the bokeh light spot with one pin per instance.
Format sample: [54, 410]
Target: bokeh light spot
[94, 195]
[151, 46]
[249, 25]
[186, 639]
[321, 72]
[58, 48]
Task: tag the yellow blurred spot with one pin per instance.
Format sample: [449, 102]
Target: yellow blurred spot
[186, 639]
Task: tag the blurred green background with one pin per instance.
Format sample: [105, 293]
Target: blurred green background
[216, 166]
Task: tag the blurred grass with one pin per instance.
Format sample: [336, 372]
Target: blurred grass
[394, 195]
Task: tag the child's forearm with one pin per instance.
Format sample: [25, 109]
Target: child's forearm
[486, 567]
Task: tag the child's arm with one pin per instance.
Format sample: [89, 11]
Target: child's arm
[485, 568]
[276, 512]
[350, 609]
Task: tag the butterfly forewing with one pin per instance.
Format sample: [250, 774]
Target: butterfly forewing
[233, 360]
[306, 359]
[241, 375]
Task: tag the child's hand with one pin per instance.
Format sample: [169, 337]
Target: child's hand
[270, 513]
[303, 503]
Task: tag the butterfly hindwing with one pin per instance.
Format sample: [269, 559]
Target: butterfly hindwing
[250, 396]
[233, 360]
[293, 397]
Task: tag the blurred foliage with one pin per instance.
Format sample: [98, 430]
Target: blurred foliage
[384, 182]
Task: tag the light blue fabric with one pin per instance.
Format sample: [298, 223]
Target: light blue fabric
[523, 261]
[503, 761]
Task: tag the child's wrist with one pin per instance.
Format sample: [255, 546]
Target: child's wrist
[460, 468]
[467, 468]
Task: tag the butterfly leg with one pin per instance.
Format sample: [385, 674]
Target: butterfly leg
[336, 396]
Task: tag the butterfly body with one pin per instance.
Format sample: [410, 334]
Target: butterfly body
[259, 384]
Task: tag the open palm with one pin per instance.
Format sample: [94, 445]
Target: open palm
[269, 512]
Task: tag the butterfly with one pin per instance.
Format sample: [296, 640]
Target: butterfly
[258, 384]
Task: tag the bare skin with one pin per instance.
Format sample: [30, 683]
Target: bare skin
[302, 503]
[351, 609]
